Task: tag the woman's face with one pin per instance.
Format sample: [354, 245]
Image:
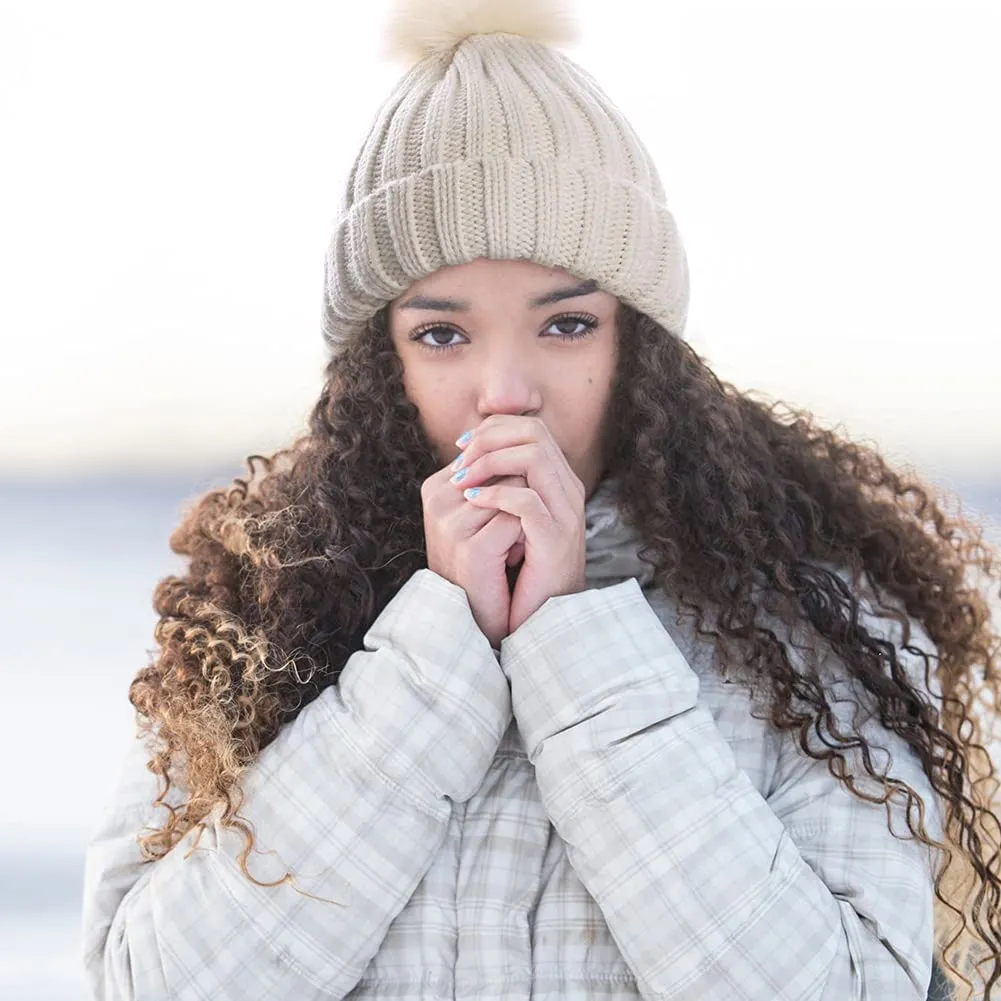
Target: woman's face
[509, 337]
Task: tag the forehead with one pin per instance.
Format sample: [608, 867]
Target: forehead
[488, 281]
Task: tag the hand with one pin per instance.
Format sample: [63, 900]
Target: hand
[470, 546]
[549, 506]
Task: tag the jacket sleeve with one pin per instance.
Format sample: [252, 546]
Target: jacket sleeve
[353, 797]
[711, 891]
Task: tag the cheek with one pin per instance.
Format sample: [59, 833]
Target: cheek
[422, 383]
[582, 410]
[435, 397]
[431, 389]
[600, 379]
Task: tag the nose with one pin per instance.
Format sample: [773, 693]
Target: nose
[507, 383]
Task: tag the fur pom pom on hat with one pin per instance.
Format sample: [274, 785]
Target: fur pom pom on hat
[496, 144]
[420, 28]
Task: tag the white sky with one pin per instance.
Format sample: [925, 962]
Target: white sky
[170, 175]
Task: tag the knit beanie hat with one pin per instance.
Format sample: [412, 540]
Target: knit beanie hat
[494, 144]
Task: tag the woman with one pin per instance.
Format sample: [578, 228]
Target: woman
[545, 663]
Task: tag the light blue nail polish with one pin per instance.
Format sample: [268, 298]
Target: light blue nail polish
[472, 492]
[464, 439]
[458, 461]
[460, 475]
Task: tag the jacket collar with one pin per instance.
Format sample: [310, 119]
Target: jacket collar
[612, 543]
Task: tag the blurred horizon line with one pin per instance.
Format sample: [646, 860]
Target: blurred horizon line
[976, 493]
[173, 473]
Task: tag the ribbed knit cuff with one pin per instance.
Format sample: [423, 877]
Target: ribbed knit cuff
[556, 212]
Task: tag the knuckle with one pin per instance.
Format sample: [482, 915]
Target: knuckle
[431, 504]
[431, 486]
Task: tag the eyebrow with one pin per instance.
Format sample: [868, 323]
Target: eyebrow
[462, 305]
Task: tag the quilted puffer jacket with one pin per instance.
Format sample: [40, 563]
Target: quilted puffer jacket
[589, 812]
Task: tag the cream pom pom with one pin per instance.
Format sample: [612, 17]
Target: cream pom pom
[419, 28]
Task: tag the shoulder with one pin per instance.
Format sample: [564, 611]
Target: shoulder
[880, 614]
[900, 637]
[740, 714]
[742, 711]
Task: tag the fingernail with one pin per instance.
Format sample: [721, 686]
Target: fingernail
[471, 492]
[460, 475]
[463, 439]
[458, 461]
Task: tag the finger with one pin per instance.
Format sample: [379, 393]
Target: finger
[501, 431]
[523, 502]
[498, 536]
[516, 553]
[439, 495]
[466, 520]
[534, 465]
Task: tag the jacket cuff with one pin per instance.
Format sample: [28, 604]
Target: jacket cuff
[588, 670]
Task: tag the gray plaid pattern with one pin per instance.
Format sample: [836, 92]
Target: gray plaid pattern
[615, 824]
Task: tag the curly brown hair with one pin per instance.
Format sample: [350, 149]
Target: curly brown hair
[290, 565]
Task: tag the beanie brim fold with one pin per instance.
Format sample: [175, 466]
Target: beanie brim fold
[556, 212]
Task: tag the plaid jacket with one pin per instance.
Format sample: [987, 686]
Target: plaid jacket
[594, 813]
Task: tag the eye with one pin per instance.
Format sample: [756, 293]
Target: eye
[580, 325]
[435, 330]
[572, 320]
